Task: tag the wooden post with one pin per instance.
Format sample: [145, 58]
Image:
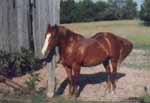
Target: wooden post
[45, 12]
[54, 12]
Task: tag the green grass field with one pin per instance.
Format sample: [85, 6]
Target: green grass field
[131, 29]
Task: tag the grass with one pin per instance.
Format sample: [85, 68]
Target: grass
[42, 99]
[131, 29]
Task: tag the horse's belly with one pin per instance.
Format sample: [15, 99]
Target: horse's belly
[91, 61]
[94, 57]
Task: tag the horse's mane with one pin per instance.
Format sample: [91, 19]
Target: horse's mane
[68, 33]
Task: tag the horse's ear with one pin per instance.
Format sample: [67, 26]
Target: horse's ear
[49, 28]
[56, 27]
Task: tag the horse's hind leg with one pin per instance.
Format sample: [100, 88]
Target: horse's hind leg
[111, 69]
[113, 74]
[108, 71]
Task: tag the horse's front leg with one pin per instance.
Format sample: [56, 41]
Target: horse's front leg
[70, 81]
[76, 70]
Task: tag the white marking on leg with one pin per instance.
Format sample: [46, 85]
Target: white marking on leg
[45, 46]
[110, 65]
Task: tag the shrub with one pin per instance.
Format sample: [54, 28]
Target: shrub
[16, 64]
[146, 99]
[32, 81]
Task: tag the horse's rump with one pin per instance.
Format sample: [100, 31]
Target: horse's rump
[124, 46]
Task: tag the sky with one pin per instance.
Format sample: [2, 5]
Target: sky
[139, 2]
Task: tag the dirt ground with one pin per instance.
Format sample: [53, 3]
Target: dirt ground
[130, 83]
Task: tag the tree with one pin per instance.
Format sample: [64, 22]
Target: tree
[66, 11]
[145, 12]
[111, 11]
[86, 10]
[121, 9]
[130, 10]
[99, 9]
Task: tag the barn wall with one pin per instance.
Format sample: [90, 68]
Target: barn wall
[22, 23]
[4, 45]
[13, 25]
[7, 24]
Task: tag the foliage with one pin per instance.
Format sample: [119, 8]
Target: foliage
[87, 10]
[146, 99]
[32, 81]
[68, 7]
[145, 12]
[15, 64]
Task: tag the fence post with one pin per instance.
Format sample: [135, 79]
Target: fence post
[54, 13]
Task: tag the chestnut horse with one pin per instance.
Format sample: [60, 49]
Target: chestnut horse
[76, 51]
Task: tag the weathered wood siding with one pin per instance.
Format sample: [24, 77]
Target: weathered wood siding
[4, 45]
[14, 23]
[13, 34]
[22, 23]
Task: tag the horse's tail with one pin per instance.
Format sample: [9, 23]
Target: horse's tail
[126, 48]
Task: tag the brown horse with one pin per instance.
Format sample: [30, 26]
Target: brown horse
[76, 51]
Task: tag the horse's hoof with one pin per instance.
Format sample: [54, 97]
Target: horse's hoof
[113, 92]
[50, 95]
[69, 95]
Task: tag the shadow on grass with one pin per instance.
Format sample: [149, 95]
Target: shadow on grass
[86, 79]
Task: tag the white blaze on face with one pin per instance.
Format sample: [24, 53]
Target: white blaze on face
[45, 46]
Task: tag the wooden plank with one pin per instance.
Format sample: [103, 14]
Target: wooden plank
[13, 25]
[4, 44]
[22, 7]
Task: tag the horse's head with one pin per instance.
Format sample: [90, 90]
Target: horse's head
[50, 39]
